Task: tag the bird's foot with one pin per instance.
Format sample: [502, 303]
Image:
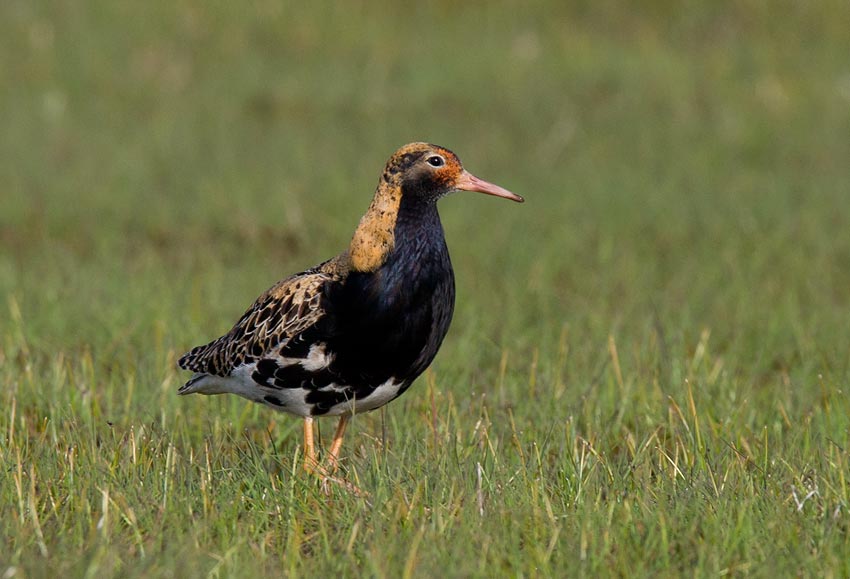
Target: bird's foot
[327, 481]
[327, 477]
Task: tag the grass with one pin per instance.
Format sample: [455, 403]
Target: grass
[647, 372]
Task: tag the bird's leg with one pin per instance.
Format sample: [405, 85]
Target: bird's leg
[310, 462]
[333, 454]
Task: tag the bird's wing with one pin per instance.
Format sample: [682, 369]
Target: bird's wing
[283, 312]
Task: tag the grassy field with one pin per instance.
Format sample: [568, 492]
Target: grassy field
[647, 374]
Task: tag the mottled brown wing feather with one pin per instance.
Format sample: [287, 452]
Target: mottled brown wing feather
[284, 311]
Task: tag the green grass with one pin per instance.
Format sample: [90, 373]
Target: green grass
[648, 369]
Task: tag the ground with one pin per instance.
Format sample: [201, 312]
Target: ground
[647, 373]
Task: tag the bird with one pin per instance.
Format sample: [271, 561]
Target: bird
[352, 333]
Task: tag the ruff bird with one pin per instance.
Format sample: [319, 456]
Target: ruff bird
[354, 332]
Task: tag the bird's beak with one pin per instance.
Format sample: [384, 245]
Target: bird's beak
[469, 182]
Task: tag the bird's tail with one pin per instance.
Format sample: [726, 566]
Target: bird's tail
[196, 383]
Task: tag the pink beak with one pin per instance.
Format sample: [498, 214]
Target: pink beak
[469, 182]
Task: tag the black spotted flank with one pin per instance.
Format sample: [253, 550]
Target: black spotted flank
[267, 367]
[323, 400]
[274, 400]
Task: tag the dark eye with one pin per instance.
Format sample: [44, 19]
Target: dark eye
[436, 161]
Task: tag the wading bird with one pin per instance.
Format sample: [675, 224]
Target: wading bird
[354, 332]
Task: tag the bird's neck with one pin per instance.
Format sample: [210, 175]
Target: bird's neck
[419, 223]
[374, 237]
[390, 219]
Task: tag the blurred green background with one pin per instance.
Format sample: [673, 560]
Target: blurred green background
[687, 224]
[696, 153]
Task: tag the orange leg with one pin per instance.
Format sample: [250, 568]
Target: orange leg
[333, 454]
[311, 464]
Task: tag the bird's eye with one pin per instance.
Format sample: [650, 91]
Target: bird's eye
[436, 161]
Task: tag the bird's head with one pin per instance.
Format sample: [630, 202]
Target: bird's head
[419, 174]
[428, 172]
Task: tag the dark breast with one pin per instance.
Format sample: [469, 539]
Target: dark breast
[377, 326]
[390, 323]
